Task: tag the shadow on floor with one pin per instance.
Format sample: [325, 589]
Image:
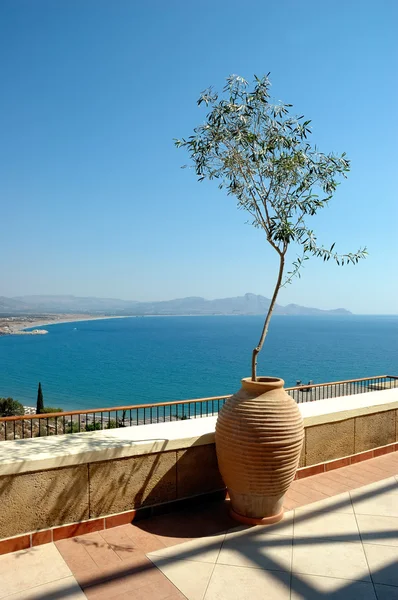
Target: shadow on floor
[214, 518]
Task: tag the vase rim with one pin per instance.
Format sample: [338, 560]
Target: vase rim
[262, 383]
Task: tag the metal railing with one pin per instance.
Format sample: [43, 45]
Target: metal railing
[336, 389]
[77, 421]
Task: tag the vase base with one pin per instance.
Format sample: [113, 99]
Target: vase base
[254, 521]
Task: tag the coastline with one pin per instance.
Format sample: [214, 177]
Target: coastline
[18, 326]
[73, 319]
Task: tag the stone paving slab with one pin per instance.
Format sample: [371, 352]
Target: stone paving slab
[39, 573]
[343, 549]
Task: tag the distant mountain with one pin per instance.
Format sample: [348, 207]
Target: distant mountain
[249, 304]
[295, 309]
[11, 304]
[73, 303]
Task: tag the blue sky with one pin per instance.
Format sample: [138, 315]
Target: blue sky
[93, 200]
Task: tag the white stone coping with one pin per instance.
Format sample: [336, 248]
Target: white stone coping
[347, 407]
[37, 454]
[22, 456]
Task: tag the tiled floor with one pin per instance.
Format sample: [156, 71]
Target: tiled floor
[343, 547]
[38, 573]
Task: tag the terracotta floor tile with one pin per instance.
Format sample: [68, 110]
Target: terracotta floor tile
[394, 455]
[99, 550]
[353, 473]
[125, 552]
[376, 466]
[116, 534]
[84, 577]
[345, 481]
[299, 498]
[138, 567]
[143, 540]
[68, 547]
[361, 479]
[129, 580]
[121, 543]
[123, 596]
[75, 555]
[338, 483]
[388, 461]
[329, 488]
[341, 484]
[391, 456]
[289, 504]
[371, 477]
[381, 462]
[305, 489]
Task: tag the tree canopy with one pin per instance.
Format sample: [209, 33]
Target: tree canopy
[11, 408]
[261, 154]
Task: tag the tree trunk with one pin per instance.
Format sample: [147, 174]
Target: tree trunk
[258, 348]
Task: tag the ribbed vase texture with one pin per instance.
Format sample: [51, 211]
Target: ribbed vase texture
[259, 436]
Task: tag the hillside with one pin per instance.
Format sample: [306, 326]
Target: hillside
[249, 304]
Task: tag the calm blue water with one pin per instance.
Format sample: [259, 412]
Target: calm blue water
[137, 360]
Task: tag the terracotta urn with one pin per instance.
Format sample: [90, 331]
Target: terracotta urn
[259, 436]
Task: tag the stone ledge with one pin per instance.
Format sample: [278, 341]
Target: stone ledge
[53, 452]
[347, 407]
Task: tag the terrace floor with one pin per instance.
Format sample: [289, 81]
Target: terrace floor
[339, 540]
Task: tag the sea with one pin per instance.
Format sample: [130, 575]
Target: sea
[137, 360]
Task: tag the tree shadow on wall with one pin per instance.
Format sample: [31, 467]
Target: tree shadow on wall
[67, 494]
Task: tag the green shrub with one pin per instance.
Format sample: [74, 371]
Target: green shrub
[10, 408]
[72, 428]
[51, 409]
[98, 426]
[93, 426]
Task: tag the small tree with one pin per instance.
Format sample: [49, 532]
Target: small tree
[262, 156]
[40, 402]
[10, 408]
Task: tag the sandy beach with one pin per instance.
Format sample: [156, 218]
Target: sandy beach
[18, 325]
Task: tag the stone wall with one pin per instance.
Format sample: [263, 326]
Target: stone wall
[348, 436]
[43, 499]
